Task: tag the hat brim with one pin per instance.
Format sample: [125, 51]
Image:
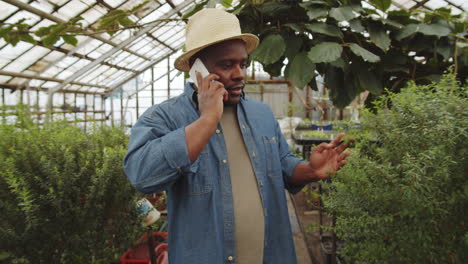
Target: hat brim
[182, 62]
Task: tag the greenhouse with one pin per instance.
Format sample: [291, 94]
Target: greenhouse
[221, 131]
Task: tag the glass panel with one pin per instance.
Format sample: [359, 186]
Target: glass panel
[43, 5]
[25, 60]
[93, 14]
[434, 4]
[7, 10]
[71, 9]
[4, 79]
[42, 23]
[30, 18]
[58, 2]
[114, 3]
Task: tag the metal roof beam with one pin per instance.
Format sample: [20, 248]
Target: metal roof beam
[86, 57]
[143, 70]
[43, 14]
[118, 47]
[160, 42]
[42, 78]
[15, 87]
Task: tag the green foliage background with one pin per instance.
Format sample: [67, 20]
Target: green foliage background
[64, 197]
[404, 199]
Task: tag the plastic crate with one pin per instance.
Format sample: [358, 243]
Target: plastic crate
[140, 253]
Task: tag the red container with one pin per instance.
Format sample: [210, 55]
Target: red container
[140, 253]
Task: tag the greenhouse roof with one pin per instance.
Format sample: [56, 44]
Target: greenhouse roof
[101, 63]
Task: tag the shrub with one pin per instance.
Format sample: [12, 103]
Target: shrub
[64, 197]
[404, 198]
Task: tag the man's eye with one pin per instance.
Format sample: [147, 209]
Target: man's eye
[227, 65]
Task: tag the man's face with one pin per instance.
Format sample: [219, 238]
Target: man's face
[228, 60]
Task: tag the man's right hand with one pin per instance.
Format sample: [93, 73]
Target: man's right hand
[210, 97]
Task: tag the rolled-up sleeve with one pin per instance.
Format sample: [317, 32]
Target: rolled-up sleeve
[156, 156]
[288, 161]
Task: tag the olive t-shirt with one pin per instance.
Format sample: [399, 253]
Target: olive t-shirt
[248, 209]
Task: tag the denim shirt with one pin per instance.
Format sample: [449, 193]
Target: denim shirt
[200, 202]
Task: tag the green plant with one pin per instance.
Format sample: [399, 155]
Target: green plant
[356, 45]
[305, 123]
[64, 197]
[403, 198]
[315, 134]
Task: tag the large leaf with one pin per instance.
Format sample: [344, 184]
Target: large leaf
[434, 30]
[301, 70]
[294, 26]
[365, 54]
[293, 45]
[379, 37]
[366, 80]
[356, 25]
[273, 8]
[343, 13]
[270, 49]
[330, 30]
[381, 4]
[437, 29]
[325, 52]
[72, 40]
[342, 91]
[407, 31]
[274, 69]
[316, 13]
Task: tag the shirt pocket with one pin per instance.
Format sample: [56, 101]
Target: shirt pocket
[198, 181]
[273, 162]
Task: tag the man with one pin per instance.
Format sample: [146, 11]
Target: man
[221, 157]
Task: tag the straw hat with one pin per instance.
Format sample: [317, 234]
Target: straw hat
[210, 26]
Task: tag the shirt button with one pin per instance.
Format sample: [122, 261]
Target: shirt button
[273, 138]
[224, 161]
[230, 258]
[253, 154]
[218, 131]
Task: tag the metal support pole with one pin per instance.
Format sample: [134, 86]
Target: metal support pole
[136, 97]
[152, 85]
[21, 96]
[85, 115]
[74, 106]
[307, 102]
[3, 104]
[168, 78]
[103, 108]
[121, 107]
[112, 110]
[290, 99]
[65, 106]
[37, 105]
[94, 107]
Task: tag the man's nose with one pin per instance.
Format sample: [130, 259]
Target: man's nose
[238, 73]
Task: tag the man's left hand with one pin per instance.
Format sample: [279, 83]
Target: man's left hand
[326, 159]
